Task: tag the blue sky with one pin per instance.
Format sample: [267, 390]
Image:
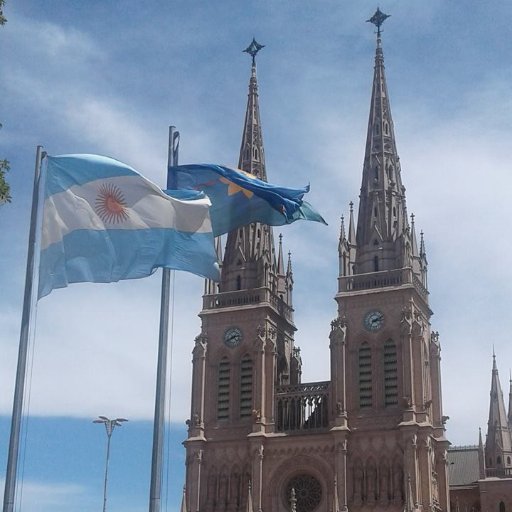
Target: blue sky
[110, 77]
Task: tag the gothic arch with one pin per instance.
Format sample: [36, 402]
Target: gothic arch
[223, 488]
[211, 491]
[313, 466]
[384, 481]
[358, 482]
[371, 480]
[397, 486]
[235, 484]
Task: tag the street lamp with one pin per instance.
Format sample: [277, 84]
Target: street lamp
[110, 425]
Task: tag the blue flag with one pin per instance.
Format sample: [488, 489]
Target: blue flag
[104, 222]
[239, 198]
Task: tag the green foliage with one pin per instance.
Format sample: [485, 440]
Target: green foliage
[3, 19]
[5, 196]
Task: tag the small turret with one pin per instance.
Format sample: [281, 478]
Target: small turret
[347, 245]
[351, 228]
[481, 455]
[281, 277]
[423, 262]
[289, 281]
[212, 287]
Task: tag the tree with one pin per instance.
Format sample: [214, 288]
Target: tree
[5, 196]
[3, 19]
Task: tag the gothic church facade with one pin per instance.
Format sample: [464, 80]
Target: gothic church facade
[371, 437]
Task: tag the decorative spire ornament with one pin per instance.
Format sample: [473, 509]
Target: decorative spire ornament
[253, 50]
[378, 19]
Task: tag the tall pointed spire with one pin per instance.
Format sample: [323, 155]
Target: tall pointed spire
[383, 236]
[498, 446]
[510, 403]
[252, 156]
[250, 259]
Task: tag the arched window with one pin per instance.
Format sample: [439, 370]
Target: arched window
[390, 374]
[238, 283]
[365, 376]
[245, 387]
[223, 390]
[502, 507]
[375, 263]
[508, 461]
[498, 461]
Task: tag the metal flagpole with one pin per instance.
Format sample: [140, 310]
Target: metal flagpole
[161, 377]
[19, 387]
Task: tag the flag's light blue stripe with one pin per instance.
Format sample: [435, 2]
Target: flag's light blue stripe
[67, 170]
[113, 255]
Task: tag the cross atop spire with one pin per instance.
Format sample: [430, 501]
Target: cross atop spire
[378, 19]
[253, 50]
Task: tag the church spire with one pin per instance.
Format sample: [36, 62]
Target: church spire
[252, 156]
[383, 233]
[498, 446]
[510, 403]
[249, 258]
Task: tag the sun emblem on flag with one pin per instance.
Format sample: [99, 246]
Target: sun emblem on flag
[110, 204]
[233, 188]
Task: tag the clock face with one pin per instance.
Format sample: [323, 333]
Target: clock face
[233, 337]
[373, 320]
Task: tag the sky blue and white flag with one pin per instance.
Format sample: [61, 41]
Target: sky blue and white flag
[239, 198]
[104, 222]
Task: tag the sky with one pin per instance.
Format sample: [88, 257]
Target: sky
[110, 77]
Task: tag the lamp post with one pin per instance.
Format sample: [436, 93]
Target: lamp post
[110, 425]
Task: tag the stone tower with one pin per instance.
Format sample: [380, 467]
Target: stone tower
[498, 444]
[385, 359]
[244, 352]
[371, 437]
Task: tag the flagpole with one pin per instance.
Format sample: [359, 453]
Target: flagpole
[161, 377]
[19, 387]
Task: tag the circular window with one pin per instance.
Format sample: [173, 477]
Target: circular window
[308, 492]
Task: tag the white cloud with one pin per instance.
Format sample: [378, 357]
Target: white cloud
[41, 497]
[96, 344]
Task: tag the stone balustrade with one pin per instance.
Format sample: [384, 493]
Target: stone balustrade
[302, 407]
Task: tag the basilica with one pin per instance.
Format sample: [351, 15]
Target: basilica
[372, 436]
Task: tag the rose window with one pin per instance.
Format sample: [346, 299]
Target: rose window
[308, 492]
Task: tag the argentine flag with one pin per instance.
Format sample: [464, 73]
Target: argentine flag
[103, 222]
